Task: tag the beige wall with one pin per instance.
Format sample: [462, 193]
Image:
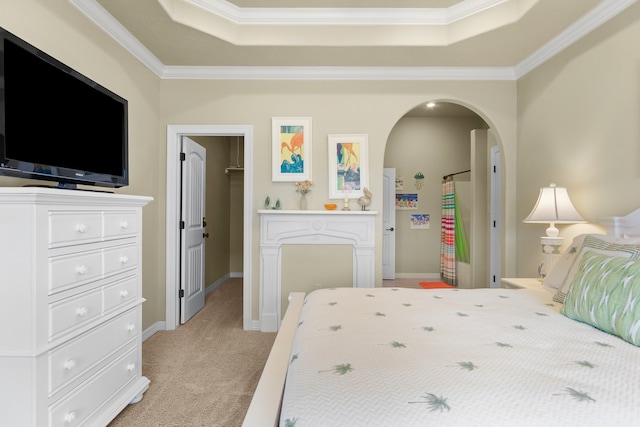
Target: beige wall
[579, 126]
[435, 147]
[336, 107]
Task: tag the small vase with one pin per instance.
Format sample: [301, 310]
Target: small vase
[303, 202]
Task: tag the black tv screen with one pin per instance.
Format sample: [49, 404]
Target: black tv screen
[55, 123]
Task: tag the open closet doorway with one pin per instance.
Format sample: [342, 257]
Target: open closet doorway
[432, 142]
[174, 136]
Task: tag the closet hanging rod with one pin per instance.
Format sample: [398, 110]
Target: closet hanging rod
[457, 173]
[233, 169]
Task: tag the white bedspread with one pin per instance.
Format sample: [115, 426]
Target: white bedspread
[449, 357]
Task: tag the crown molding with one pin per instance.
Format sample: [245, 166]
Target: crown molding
[103, 19]
[602, 13]
[606, 10]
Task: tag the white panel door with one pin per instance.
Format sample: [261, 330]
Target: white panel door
[192, 231]
[389, 224]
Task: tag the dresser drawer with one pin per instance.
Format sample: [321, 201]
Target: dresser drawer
[70, 360]
[120, 258]
[77, 406]
[73, 227]
[74, 312]
[118, 224]
[120, 293]
[69, 270]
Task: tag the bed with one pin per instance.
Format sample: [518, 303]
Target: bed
[565, 354]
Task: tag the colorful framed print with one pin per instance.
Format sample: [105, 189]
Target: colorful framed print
[420, 221]
[348, 166]
[407, 201]
[291, 149]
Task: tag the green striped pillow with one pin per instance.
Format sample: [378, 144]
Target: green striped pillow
[605, 293]
[602, 245]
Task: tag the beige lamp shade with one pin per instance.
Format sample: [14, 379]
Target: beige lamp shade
[554, 206]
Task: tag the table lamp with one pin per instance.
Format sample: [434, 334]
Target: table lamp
[554, 207]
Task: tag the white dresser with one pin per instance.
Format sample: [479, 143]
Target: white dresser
[70, 306]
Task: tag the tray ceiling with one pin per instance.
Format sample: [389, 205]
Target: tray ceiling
[359, 35]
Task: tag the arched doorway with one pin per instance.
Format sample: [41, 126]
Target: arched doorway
[445, 139]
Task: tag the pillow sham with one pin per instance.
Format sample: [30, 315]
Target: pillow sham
[601, 244]
[558, 273]
[605, 294]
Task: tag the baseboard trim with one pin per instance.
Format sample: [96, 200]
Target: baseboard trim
[150, 331]
[217, 283]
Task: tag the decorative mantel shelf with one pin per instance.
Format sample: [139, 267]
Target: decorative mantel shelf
[312, 227]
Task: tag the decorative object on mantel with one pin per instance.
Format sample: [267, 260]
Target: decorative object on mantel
[303, 187]
[419, 177]
[330, 206]
[365, 200]
[346, 190]
[267, 203]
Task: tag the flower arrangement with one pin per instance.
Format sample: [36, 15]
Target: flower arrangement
[303, 187]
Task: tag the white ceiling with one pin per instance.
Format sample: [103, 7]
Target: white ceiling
[347, 39]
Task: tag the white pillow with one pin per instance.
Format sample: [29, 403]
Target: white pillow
[601, 244]
[555, 278]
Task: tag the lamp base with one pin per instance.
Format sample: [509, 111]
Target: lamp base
[550, 251]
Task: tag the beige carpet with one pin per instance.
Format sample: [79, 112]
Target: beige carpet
[205, 372]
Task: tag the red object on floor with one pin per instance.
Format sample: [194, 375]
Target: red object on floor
[435, 285]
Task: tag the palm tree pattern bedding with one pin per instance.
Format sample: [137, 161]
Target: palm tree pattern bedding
[453, 357]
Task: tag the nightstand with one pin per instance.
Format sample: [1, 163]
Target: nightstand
[521, 282]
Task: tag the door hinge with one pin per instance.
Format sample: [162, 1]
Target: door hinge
[181, 225]
[181, 293]
[183, 157]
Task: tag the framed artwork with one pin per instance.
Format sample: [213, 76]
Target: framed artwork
[407, 201]
[291, 149]
[420, 221]
[348, 165]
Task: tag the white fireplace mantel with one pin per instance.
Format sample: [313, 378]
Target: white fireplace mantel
[313, 227]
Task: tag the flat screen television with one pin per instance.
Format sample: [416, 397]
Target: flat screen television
[56, 124]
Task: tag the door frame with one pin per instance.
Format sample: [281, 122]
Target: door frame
[172, 287]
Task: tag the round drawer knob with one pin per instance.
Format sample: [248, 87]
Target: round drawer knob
[124, 293]
[82, 311]
[124, 259]
[131, 327]
[81, 228]
[70, 364]
[70, 417]
[124, 225]
[82, 269]
[131, 367]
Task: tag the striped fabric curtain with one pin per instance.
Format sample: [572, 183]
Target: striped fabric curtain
[448, 233]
